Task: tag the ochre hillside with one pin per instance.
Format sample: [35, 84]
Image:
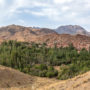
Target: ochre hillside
[43, 35]
[79, 41]
[21, 33]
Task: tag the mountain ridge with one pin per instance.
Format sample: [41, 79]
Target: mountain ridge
[71, 29]
[43, 35]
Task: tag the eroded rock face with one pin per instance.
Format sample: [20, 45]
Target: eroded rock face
[79, 41]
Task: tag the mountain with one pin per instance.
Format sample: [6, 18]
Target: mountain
[71, 29]
[44, 35]
[21, 33]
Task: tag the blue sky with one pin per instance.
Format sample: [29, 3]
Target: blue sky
[45, 13]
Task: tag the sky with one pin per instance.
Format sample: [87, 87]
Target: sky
[45, 13]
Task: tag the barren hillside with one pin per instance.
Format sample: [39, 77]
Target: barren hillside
[11, 79]
[14, 80]
[43, 35]
[21, 33]
[81, 82]
[79, 41]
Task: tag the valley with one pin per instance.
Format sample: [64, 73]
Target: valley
[42, 59]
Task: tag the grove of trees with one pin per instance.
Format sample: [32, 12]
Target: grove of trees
[38, 60]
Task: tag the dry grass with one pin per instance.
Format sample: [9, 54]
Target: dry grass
[14, 80]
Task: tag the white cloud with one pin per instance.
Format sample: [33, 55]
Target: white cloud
[1, 2]
[62, 1]
[51, 13]
[65, 8]
[73, 11]
[19, 4]
[21, 21]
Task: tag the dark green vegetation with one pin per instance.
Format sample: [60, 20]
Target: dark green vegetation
[38, 60]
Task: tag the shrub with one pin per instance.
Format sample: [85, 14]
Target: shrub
[41, 67]
[25, 70]
[43, 73]
[50, 68]
[51, 74]
[68, 72]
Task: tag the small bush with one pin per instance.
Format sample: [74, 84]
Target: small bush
[50, 68]
[41, 67]
[43, 73]
[25, 70]
[51, 74]
[68, 72]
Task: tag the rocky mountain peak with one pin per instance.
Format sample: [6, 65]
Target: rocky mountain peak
[71, 29]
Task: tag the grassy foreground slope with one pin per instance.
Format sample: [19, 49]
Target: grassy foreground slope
[13, 78]
[26, 82]
[81, 82]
